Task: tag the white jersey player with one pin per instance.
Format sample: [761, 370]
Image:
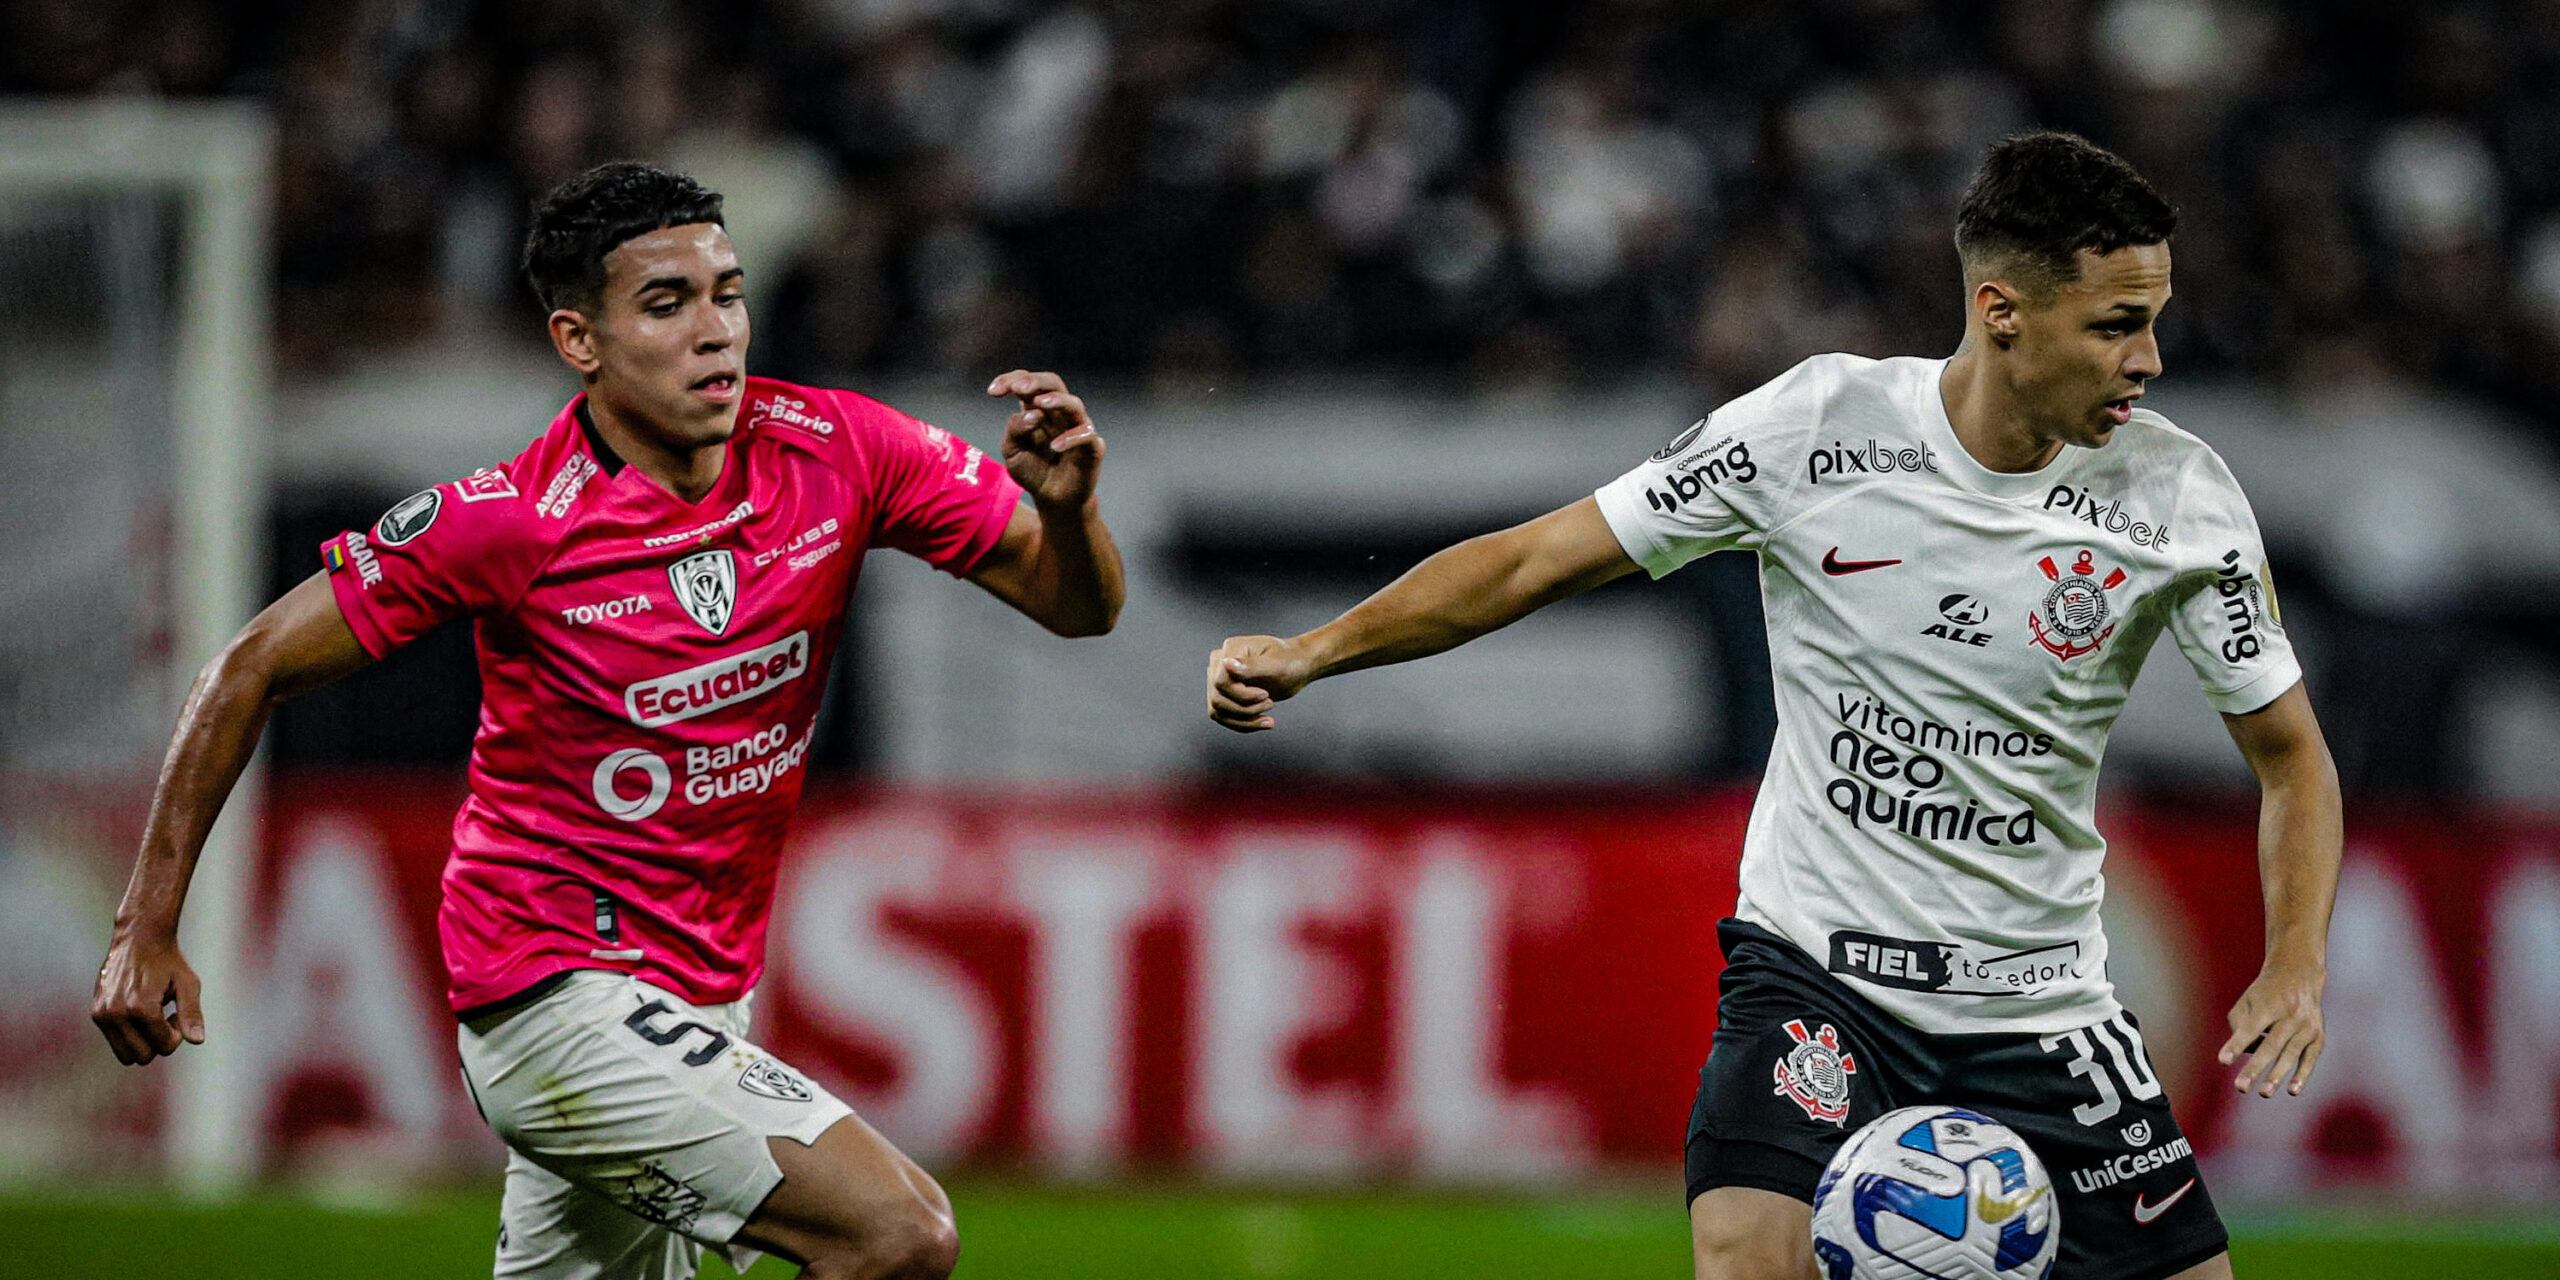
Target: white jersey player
[1964, 563]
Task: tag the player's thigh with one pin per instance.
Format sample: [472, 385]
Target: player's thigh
[853, 1195]
[2133, 1203]
[550, 1228]
[1744, 1233]
[663, 1109]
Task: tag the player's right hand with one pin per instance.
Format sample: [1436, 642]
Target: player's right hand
[1248, 674]
[144, 975]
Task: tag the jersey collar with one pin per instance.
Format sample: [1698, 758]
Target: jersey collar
[605, 456]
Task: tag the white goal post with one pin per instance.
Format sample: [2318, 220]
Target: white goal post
[217, 162]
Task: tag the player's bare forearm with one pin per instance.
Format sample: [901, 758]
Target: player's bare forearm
[1059, 567]
[1476, 587]
[2277, 1033]
[1472, 589]
[297, 644]
[1081, 565]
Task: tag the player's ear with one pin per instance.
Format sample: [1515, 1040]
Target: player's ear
[575, 340]
[1999, 307]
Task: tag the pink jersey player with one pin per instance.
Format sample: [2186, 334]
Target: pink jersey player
[657, 585]
[651, 671]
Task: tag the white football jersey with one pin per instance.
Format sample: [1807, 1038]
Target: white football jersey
[1950, 647]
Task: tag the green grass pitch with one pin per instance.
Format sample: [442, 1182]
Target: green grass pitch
[1140, 1233]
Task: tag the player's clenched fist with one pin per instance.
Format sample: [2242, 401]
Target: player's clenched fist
[1248, 674]
[142, 977]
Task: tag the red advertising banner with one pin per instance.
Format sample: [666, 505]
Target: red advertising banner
[1449, 987]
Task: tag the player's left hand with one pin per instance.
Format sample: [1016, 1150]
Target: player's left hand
[2276, 1031]
[1050, 444]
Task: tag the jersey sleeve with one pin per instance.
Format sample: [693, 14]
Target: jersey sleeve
[457, 550]
[938, 497]
[2225, 614]
[1725, 482]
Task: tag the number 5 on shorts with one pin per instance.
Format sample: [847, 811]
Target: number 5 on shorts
[639, 1022]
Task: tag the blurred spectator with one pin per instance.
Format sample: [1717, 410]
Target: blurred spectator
[1499, 191]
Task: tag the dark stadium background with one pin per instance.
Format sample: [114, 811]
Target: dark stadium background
[1289, 229]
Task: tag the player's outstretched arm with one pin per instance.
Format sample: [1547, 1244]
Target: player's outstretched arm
[2276, 1029]
[1056, 562]
[1480, 585]
[297, 644]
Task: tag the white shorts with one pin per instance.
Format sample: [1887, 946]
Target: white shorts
[637, 1125]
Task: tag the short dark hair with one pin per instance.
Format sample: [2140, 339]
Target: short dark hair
[2039, 198]
[587, 217]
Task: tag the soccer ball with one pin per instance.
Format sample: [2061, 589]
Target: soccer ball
[1935, 1193]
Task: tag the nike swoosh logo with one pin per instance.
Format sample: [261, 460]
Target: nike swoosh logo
[1835, 566]
[1997, 1209]
[2146, 1212]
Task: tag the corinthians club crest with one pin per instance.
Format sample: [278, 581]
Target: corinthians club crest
[2074, 617]
[1816, 1074]
[707, 586]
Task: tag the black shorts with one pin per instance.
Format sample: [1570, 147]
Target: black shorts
[1800, 1062]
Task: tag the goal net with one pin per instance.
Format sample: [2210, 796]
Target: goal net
[132, 492]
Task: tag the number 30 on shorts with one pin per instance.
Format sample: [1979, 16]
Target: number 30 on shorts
[2126, 1070]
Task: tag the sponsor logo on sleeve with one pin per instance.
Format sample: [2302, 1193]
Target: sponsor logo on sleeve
[706, 585]
[485, 484]
[1727, 461]
[2248, 607]
[351, 548]
[721, 682]
[1679, 442]
[970, 458]
[2138, 1134]
[1874, 458]
[2074, 617]
[2109, 515]
[408, 518]
[1815, 1073]
[566, 484]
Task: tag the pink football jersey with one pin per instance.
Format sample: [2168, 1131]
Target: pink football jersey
[650, 671]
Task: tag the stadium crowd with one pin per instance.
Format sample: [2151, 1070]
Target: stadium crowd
[1517, 192]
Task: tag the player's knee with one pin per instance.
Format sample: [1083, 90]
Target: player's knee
[930, 1248]
[1741, 1257]
[1750, 1246]
[915, 1244]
